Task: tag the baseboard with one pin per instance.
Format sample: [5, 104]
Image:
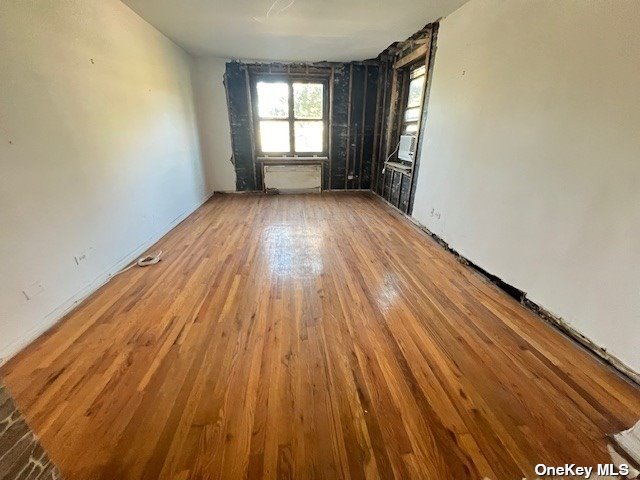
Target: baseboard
[521, 296]
[237, 192]
[261, 192]
[58, 313]
[348, 190]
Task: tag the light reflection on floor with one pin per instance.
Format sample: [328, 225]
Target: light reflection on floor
[387, 293]
[293, 251]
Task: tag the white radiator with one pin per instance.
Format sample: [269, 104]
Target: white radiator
[293, 178]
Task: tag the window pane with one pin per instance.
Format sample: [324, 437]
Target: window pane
[307, 100]
[273, 99]
[411, 128]
[309, 136]
[411, 114]
[274, 136]
[415, 92]
[416, 72]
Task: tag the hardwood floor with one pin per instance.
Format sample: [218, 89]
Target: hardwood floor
[311, 337]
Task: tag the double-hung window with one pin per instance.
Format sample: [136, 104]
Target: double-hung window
[415, 97]
[290, 117]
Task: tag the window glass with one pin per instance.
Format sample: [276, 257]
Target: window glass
[290, 116]
[307, 101]
[415, 92]
[413, 107]
[273, 99]
[274, 136]
[416, 72]
[411, 127]
[411, 114]
[309, 136]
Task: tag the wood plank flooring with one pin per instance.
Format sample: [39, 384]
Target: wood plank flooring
[312, 336]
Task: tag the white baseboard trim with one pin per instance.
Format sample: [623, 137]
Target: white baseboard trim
[59, 312]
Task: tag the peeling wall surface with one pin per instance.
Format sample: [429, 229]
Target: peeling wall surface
[531, 164]
[99, 152]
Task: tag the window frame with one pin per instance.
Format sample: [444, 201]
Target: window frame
[290, 79]
[417, 122]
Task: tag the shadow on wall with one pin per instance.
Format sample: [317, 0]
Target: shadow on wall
[213, 124]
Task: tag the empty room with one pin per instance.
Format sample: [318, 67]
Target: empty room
[319, 239]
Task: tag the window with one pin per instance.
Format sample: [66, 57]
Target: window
[413, 109]
[291, 117]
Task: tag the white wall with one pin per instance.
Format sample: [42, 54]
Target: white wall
[99, 152]
[532, 155]
[213, 123]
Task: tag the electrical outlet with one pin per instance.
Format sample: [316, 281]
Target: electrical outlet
[33, 290]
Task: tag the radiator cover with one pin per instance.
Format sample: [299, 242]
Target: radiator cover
[293, 178]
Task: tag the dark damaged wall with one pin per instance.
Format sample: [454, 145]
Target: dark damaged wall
[366, 100]
[398, 187]
[353, 121]
[240, 119]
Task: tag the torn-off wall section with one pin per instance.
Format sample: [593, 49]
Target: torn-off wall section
[353, 95]
[397, 185]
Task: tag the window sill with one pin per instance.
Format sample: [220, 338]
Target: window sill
[399, 167]
[292, 159]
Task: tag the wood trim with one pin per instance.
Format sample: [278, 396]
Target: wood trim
[348, 136]
[252, 127]
[421, 121]
[429, 62]
[362, 122]
[393, 109]
[225, 82]
[375, 152]
[329, 132]
[382, 150]
[292, 120]
[416, 54]
[290, 79]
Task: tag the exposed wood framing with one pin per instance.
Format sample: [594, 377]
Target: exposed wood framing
[348, 137]
[226, 94]
[428, 61]
[362, 125]
[376, 131]
[343, 159]
[416, 54]
[328, 180]
[425, 108]
[363, 117]
[397, 185]
[252, 130]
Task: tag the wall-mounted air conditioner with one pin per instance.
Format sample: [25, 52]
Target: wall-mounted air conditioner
[407, 148]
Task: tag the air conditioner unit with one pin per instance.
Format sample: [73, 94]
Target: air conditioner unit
[407, 148]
